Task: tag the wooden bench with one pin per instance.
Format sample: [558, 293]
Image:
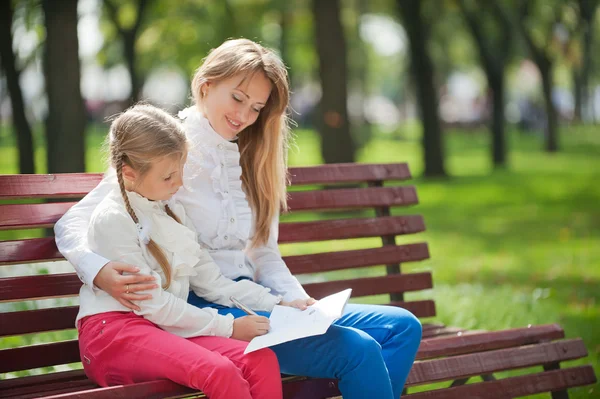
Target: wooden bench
[350, 201]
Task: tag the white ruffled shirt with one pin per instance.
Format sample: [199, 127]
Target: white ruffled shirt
[216, 205]
[113, 234]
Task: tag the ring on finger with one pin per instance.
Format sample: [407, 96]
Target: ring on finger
[127, 288]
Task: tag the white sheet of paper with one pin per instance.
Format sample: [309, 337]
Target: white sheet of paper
[288, 324]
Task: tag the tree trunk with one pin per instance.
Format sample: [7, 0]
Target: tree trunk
[130, 58]
[334, 126]
[577, 95]
[422, 70]
[551, 132]
[66, 120]
[496, 84]
[8, 63]
[588, 38]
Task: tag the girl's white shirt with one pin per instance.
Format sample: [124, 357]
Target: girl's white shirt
[113, 234]
[215, 204]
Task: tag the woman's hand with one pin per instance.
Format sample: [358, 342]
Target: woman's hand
[247, 327]
[299, 303]
[110, 279]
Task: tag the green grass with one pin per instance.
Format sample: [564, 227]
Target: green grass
[508, 247]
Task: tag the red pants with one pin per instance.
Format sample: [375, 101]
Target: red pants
[122, 348]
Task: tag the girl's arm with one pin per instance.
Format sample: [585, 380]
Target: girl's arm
[272, 271]
[113, 235]
[71, 233]
[211, 285]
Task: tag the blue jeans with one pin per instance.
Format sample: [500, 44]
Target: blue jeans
[370, 350]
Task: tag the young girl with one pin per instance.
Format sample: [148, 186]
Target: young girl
[235, 186]
[136, 222]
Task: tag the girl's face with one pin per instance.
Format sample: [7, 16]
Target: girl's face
[233, 104]
[161, 182]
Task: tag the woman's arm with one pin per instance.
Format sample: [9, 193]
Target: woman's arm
[272, 271]
[113, 235]
[71, 235]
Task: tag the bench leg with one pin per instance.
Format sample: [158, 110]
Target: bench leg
[557, 394]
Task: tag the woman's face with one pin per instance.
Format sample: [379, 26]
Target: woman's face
[233, 104]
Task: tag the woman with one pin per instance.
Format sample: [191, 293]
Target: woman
[235, 181]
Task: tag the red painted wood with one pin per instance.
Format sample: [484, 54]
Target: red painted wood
[349, 228]
[145, 390]
[73, 185]
[372, 285]
[66, 185]
[347, 173]
[63, 376]
[40, 286]
[28, 251]
[351, 198]
[43, 355]
[425, 308]
[25, 216]
[63, 318]
[462, 366]
[41, 320]
[441, 332]
[479, 342]
[516, 386]
[49, 389]
[329, 261]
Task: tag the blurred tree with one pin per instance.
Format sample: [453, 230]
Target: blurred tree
[423, 74]
[582, 69]
[358, 71]
[333, 124]
[492, 35]
[12, 72]
[127, 18]
[66, 120]
[537, 22]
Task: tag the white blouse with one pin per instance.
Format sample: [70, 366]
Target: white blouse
[216, 205]
[113, 234]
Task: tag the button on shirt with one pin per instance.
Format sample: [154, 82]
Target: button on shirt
[216, 205]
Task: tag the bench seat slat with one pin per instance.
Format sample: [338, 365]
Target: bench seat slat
[348, 173]
[456, 367]
[349, 228]
[485, 341]
[28, 251]
[513, 387]
[26, 216]
[330, 261]
[352, 198]
[372, 285]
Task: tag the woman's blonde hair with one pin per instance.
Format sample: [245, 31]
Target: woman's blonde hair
[137, 138]
[263, 145]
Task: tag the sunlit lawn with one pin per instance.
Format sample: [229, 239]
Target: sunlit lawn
[508, 248]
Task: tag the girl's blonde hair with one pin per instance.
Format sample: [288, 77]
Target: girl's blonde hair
[137, 138]
[263, 145]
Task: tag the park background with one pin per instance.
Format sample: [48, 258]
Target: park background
[493, 104]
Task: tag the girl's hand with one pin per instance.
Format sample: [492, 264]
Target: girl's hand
[247, 327]
[299, 303]
[110, 279]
